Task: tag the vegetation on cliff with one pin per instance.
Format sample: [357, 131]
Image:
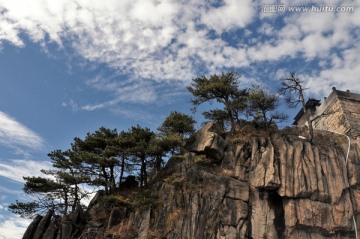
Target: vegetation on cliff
[216, 183]
[104, 158]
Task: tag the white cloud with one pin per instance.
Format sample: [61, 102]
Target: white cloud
[9, 191]
[127, 91]
[14, 134]
[156, 41]
[13, 227]
[18, 168]
[142, 37]
[133, 114]
[9, 32]
[232, 14]
[122, 91]
[72, 104]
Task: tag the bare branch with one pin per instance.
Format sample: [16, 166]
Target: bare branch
[323, 115]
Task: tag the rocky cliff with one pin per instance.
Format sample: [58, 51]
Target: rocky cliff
[244, 186]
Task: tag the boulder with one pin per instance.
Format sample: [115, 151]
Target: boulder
[130, 182]
[66, 228]
[44, 223]
[208, 141]
[77, 216]
[53, 229]
[30, 231]
[115, 217]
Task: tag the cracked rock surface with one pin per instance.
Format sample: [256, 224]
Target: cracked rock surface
[259, 187]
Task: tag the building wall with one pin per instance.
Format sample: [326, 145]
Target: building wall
[341, 113]
[302, 120]
[333, 117]
[351, 110]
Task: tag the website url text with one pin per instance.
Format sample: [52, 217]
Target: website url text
[272, 8]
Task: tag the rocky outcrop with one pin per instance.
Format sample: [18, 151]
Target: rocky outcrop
[43, 225]
[207, 141]
[261, 187]
[30, 231]
[54, 227]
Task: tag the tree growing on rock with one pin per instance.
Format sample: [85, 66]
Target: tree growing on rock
[59, 193]
[262, 106]
[218, 115]
[49, 194]
[178, 123]
[173, 132]
[292, 87]
[68, 169]
[124, 153]
[60, 190]
[140, 149]
[223, 89]
[98, 153]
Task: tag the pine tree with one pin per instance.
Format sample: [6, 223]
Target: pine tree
[223, 89]
[98, 153]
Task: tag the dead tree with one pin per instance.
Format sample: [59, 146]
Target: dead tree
[292, 87]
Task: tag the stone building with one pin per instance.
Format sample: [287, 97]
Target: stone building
[310, 106]
[339, 112]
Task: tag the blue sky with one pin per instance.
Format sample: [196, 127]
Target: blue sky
[68, 67]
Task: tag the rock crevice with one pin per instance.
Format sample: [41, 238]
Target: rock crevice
[262, 187]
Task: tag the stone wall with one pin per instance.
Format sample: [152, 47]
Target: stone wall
[351, 110]
[340, 112]
[333, 117]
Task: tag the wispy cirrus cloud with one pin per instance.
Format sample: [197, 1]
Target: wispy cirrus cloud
[130, 91]
[9, 191]
[16, 169]
[16, 135]
[122, 91]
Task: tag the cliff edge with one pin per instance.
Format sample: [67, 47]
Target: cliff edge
[231, 187]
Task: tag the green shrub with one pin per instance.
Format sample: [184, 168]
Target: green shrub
[199, 158]
[176, 179]
[131, 200]
[117, 200]
[178, 157]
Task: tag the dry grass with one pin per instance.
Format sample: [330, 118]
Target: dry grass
[125, 230]
[155, 234]
[201, 159]
[247, 132]
[173, 218]
[324, 138]
[176, 179]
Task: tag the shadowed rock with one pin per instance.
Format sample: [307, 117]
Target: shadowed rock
[208, 141]
[265, 187]
[43, 225]
[30, 231]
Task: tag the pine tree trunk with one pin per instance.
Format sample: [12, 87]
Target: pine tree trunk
[122, 171]
[106, 181]
[112, 178]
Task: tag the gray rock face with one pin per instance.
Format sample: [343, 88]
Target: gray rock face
[30, 231]
[115, 217]
[278, 187]
[43, 225]
[207, 141]
[53, 229]
[66, 229]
